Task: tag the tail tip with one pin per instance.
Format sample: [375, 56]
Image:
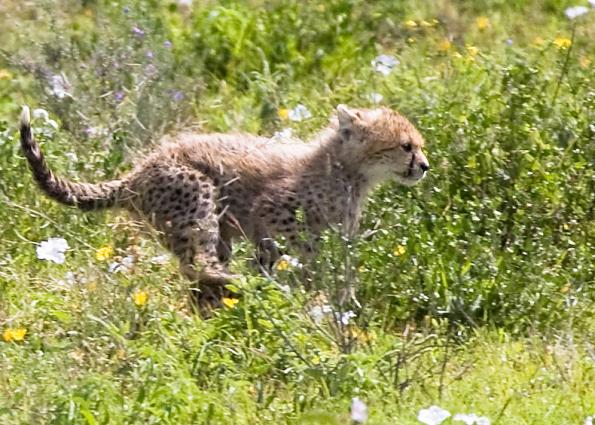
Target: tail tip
[25, 116]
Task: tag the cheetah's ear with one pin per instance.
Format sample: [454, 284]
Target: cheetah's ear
[348, 118]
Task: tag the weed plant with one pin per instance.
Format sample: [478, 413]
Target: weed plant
[473, 291]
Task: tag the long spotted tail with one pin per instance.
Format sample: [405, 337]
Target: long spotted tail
[85, 196]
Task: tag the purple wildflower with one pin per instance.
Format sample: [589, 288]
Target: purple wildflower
[167, 44]
[138, 32]
[149, 54]
[126, 10]
[178, 95]
[509, 41]
[119, 96]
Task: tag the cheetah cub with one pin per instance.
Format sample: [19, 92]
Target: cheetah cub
[202, 191]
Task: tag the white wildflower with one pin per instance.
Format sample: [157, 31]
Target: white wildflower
[471, 419]
[376, 97]
[433, 415]
[43, 115]
[40, 113]
[71, 156]
[299, 113]
[575, 11]
[345, 317]
[52, 124]
[52, 250]
[128, 261]
[318, 312]
[67, 283]
[384, 64]
[124, 266]
[285, 134]
[589, 419]
[185, 3]
[6, 260]
[70, 278]
[359, 410]
[59, 86]
[160, 259]
[592, 3]
[292, 262]
[94, 131]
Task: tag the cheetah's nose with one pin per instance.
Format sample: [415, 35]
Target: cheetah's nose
[424, 166]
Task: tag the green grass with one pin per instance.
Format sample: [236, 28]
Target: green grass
[476, 287]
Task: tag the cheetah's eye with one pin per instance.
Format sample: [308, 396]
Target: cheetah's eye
[407, 147]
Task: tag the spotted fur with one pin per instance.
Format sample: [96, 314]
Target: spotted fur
[202, 191]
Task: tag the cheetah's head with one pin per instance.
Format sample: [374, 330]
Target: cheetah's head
[385, 144]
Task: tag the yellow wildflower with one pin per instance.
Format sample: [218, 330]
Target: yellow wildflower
[14, 334]
[410, 23]
[104, 253]
[230, 302]
[457, 55]
[282, 265]
[584, 62]
[283, 113]
[472, 50]
[399, 250]
[565, 288]
[140, 298]
[360, 335]
[5, 75]
[411, 40]
[426, 24]
[444, 46]
[562, 42]
[361, 269]
[482, 23]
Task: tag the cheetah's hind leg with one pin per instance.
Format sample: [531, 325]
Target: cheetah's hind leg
[197, 250]
[186, 216]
